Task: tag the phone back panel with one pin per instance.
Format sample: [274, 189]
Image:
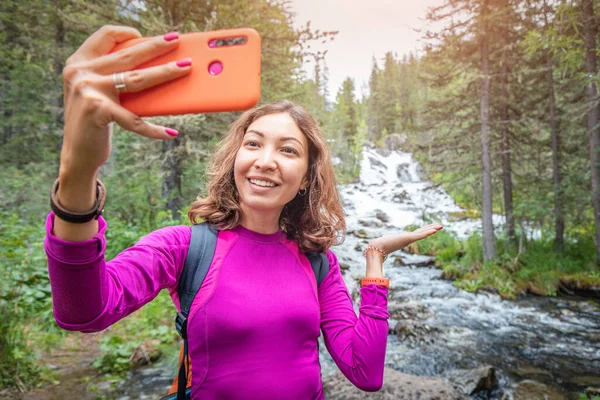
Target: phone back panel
[236, 88]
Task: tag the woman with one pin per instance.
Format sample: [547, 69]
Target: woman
[254, 325]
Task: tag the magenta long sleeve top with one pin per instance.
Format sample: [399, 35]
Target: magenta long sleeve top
[253, 326]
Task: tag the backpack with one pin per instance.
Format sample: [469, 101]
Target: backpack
[199, 258]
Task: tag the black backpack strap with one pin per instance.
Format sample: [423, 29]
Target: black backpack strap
[320, 265]
[199, 257]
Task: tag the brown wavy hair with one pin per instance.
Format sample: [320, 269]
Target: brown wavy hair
[315, 220]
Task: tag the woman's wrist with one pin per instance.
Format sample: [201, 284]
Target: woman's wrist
[374, 264]
[77, 192]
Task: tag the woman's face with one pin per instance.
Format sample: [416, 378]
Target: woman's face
[271, 165]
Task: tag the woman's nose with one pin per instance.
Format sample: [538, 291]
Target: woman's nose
[265, 160]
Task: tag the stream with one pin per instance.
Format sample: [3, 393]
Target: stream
[553, 341]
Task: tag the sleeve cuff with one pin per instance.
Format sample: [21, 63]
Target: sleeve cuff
[374, 301]
[75, 253]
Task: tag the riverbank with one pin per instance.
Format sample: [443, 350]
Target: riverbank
[534, 267]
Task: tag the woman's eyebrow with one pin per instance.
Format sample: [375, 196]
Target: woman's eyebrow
[283, 139]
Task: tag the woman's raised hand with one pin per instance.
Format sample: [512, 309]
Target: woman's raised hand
[392, 243]
[92, 99]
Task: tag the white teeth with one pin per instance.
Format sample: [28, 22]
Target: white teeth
[262, 183]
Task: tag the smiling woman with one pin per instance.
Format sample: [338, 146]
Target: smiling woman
[273, 171]
[271, 198]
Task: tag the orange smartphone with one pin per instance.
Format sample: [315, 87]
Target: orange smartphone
[225, 75]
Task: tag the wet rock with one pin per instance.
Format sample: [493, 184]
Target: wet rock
[362, 233]
[416, 332]
[376, 163]
[146, 353]
[398, 262]
[382, 216]
[344, 266]
[473, 381]
[403, 173]
[412, 325]
[401, 197]
[396, 386]
[531, 390]
[411, 311]
[370, 224]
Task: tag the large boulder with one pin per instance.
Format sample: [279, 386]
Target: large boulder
[473, 381]
[396, 386]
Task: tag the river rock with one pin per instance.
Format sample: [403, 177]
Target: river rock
[401, 197]
[370, 224]
[382, 216]
[376, 163]
[408, 311]
[473, 381]
[531, 390]
[411, 325]
[416, 332]
[402, 170]
[398, 262]
[363, 234]
[396, 386]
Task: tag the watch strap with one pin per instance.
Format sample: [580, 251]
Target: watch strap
[378, 281]
[78, 218]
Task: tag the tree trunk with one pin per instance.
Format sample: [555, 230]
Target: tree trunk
[171, 182]
[489, 246]
[59, 41]
[592, 114]
[559, 219]
[505, 143]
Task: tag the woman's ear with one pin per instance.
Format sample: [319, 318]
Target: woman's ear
[305, 182]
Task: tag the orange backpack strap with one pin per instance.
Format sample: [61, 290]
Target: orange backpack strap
[175, 383]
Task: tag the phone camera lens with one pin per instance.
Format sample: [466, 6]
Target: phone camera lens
[219, 43]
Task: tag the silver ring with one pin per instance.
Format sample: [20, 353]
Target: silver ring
[121, 85]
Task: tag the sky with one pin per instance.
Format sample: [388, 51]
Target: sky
[366, 28]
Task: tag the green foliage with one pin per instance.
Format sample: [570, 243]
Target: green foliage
[538, 269]
[151, 324]
[24, 299]
[443, 245]
[583, 396]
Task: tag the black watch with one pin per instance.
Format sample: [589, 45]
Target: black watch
[78, 218]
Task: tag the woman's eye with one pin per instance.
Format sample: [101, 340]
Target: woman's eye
[289, 150]
[251, 143]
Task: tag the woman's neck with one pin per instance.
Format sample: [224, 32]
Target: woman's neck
[266, 224]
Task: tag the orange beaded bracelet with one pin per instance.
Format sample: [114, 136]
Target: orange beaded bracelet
[373, 248]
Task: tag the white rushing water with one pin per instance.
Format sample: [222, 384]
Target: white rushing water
[556, 338]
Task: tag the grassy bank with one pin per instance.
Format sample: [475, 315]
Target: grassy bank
[536, 267]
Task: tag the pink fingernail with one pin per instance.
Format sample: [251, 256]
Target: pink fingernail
[171, 132]
[186, 62]
[171, 36]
